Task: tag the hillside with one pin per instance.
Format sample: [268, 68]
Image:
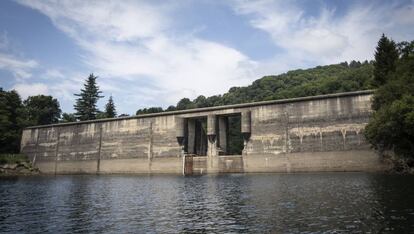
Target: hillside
[334, 78]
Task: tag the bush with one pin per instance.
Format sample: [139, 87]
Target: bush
[13, 158]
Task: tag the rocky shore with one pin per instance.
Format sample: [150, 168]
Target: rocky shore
[20, 168]
[16, 164]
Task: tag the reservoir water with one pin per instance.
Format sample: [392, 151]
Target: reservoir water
[232, 203]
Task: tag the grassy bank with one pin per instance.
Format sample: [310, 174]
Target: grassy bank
[13, 158]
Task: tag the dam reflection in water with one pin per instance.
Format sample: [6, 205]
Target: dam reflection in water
[292, 203]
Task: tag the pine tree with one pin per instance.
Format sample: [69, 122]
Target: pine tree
[86, 103]
[386, 56]
[110, 110]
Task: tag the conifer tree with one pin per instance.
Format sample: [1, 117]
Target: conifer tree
[85, 106]
[110, 110]
[386, 56]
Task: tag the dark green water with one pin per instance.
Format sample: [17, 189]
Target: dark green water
[238, 203]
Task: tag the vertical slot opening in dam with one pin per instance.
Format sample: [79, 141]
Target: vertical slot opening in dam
[200, 146]
[234, 135]
[229, 136]
[196, 143]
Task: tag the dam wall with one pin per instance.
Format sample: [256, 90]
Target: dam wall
[319, 133]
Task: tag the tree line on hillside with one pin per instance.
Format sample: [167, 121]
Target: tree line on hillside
[334, 78]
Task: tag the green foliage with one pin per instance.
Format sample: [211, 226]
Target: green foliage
[184, 104]
[86, 103]
[12, 120]
[171, 108]
[100, 115]
[13, 158]
[110, 111]
[149, 110]
[16, 115]
[392, 124]
[298, 83]
[42, 109]
[68, 117]
[392, 127]
[200, 102]
[386, 55]
[234, 137]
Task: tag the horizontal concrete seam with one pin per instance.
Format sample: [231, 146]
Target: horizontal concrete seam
[214, 108]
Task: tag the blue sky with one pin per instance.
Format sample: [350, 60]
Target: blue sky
[152, 53]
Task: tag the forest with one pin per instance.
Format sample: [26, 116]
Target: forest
[334, 78]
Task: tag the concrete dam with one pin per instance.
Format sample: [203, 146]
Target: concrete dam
[318, 133]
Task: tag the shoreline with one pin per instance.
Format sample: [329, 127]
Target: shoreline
[18, 169]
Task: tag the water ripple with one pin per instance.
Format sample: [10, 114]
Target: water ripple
[258, 203]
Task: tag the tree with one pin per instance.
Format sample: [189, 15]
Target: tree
[68, 117]
[12, 121]
[200, 101]
[170, 108]
[386, 55]
[88, 97]
[42, 109]
[185, 103]
[110, 110]
[392, 127]
[392, 123]
[100, 115]
[150, 110]
[355, 64]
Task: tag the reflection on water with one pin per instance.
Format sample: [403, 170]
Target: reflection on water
[253, 203]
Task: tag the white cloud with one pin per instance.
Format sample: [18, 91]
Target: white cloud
[405, 14]
[25, 89]
[133, 41]
[142, 60]
[114, 20]
[20, 68]
[53, 73]
[328, 37]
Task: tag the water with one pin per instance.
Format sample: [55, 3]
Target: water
[233, 203]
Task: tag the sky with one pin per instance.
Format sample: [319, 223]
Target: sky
[153, 53]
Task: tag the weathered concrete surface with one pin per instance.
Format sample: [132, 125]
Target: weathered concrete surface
[351, 160]
[321, 133]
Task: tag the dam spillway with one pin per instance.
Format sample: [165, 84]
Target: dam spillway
[317, 133]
